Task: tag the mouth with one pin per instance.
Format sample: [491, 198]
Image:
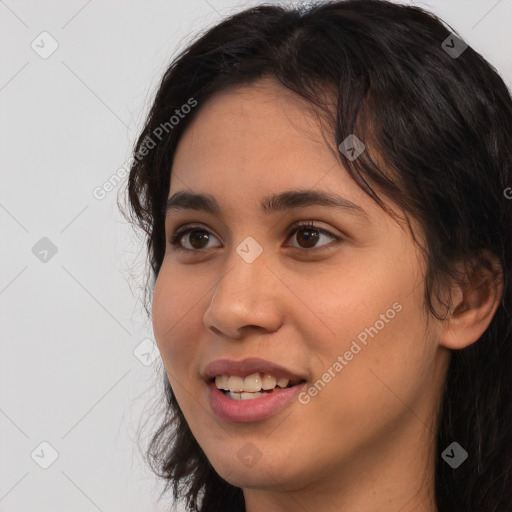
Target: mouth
[247, 407]
[256, 385]
[248, 367]
[250, 390]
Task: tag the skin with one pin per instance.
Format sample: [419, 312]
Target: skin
[365, 441]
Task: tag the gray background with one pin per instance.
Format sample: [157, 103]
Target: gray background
[78, 368]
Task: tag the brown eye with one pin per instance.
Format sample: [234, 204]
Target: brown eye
[197, 238]
[308, 235]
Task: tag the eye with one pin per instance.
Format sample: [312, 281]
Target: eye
[312, 235]
[198, 237]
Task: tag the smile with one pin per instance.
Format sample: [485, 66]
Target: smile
[250, 406]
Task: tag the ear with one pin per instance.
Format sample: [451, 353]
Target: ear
[475, 301]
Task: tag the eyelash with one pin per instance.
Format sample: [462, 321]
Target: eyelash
[305, 225]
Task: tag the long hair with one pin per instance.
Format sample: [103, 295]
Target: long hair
[441, 121]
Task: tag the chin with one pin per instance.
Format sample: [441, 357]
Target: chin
[255, 478]
[261, 475]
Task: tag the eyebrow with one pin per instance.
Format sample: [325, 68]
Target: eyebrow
[288, 200]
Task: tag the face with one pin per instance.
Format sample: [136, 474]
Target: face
[338, 305]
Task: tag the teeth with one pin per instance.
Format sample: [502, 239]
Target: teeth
[222, 382]
[244, 395]
[235, 383]
[282, 383]
[268, 381]
[252, 384]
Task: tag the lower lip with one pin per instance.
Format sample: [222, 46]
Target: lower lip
[254, 409]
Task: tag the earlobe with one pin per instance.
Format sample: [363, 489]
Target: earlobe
[474, 303]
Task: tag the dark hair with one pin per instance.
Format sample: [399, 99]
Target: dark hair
[442, 123]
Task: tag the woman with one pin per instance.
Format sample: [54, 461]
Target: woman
[323, 191]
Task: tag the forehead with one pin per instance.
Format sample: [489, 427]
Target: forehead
[252, 124]
[261, 147]
[252, 133]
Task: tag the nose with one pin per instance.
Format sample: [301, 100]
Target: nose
[247, 296]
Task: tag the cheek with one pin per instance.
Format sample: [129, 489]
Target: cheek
[361, 304]
[378, 327]
[171, 312]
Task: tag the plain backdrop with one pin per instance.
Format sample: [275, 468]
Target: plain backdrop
[78, 367]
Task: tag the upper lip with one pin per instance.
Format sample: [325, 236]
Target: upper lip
[247, 367]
